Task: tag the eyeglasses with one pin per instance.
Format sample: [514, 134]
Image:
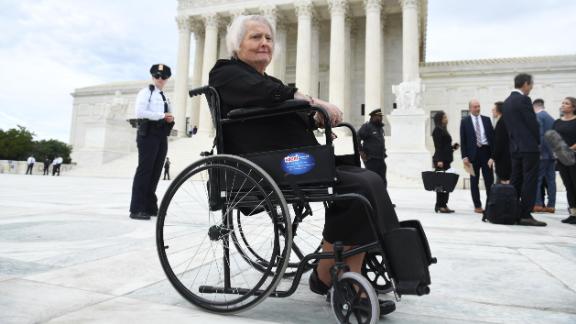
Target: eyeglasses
[159, 76]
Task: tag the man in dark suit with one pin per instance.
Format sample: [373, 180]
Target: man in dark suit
[524, 134]
[501, 154]
[477, 147]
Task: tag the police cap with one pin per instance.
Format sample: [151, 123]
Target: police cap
[376, 112]
[160, 71]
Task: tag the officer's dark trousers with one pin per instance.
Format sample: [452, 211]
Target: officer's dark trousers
[152, 150]
[29, 168]
[378, 166]
[481, 163]
[525, 179]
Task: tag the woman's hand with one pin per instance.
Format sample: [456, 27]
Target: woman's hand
[440, 164]
[334, 112]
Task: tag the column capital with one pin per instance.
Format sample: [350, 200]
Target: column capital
[373, 5]
[197, 27]
[237, 12]
[304, 8]
[183, 23]
[268, 10]
[211, 20]
[338, 7]
[408, 4]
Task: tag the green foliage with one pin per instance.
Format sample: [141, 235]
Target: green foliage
[18, 144]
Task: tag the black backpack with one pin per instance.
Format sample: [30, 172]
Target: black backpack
[502, 206]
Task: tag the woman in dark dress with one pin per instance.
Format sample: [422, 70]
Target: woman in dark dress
[501, 155]
[566, 127]
[443, 156]
[242, 83]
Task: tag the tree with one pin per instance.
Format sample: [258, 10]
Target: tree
[16, 144]
[53, 148]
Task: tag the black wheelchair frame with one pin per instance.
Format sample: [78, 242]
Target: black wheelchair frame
[219, 190]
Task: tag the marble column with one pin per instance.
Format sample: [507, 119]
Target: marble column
[410, 48]
[337, 81]
[347, 108]
[373, 77]
[194, 113]
[315, 58]
[270, 12]
[279, 60]
[210, 54]
[304, 44]
[181, 75]
[408, 153]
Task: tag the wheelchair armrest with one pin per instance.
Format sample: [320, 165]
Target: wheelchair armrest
[288, 106]
[355, 142]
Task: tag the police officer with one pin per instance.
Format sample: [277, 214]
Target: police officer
[155, 120]
[372, 149]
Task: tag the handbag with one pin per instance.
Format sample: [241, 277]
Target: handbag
[439, 181]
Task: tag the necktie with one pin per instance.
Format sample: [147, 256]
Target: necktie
[478, 133]
[165, 103]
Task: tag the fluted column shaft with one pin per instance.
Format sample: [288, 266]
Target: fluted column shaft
[337, 84]
[210, 55]
[197, 76]
[373, 77]
[410, 51]
[181, 77]
[315, 59]
[304, 44]
[280, 55]
[270, 12]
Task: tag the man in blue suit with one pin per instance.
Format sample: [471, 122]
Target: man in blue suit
[477, 147]
[524, 133]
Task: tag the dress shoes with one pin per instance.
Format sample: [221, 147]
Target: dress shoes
[550, 210]
[530, 222]
[569, 220]
[538, 209]
[140, 215]
[478, 210]
[443, 210]
[316, 285]
[386, 306]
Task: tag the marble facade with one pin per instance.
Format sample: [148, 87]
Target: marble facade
[354, 53]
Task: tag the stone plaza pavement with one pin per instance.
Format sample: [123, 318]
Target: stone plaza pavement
[70, 254]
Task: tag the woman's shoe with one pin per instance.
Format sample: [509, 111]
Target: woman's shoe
[445, 210]
[316, 285]
[569, 220]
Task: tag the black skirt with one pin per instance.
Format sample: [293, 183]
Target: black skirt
[346, 220]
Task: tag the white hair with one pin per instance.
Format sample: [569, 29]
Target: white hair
[237, 31]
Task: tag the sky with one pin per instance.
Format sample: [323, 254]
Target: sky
[48, 48]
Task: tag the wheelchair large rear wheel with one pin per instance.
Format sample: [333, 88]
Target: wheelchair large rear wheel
[306, 237]
[193, 234]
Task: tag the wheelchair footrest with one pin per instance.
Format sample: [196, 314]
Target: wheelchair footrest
[239, 291]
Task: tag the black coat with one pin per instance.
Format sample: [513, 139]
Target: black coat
[521, 122]
[241, 86]
[468, 147]
[502, 151]
[443, 151]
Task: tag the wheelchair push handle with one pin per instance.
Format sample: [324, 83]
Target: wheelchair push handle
[198, 91]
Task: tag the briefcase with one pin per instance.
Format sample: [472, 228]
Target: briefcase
[439, 181]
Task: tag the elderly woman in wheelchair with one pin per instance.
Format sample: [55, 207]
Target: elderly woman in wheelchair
[224, 233]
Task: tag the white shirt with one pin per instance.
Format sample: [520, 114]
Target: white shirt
[478, 119]
[150, 106]
[31, 160]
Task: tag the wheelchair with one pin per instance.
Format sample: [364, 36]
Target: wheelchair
[233, 230]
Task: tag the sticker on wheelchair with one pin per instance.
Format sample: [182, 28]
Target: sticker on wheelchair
[298, 163]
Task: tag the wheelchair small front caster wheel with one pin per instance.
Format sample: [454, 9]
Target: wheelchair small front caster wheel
[374, 270]
[354, 300]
